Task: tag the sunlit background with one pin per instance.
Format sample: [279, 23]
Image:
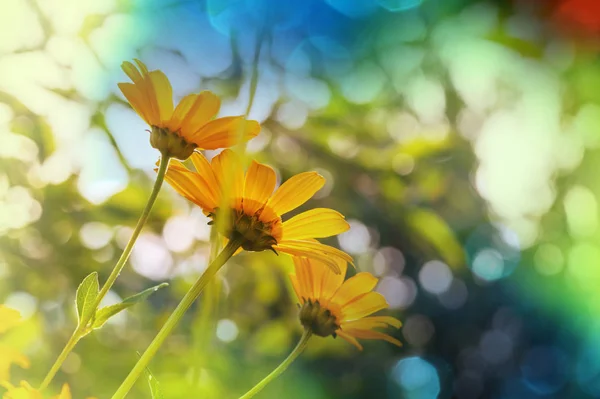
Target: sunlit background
[460, 138]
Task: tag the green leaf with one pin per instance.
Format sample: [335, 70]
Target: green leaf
[106, 313]
[155, 388]
[87, 292]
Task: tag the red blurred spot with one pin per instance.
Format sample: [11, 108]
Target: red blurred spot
[579, 17]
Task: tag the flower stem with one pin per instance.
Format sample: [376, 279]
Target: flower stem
[175, 317]
[282, 367]
[82, 329]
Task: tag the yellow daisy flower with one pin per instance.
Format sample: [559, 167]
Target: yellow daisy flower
[332, 306]
[25, 391]
[245, 207]
[177, 132]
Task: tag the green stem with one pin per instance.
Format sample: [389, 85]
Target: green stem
[175, 317]
[82, 329]
[282, 367]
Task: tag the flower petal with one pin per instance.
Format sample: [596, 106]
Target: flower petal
[230, 175]
[372, 322]
[191, 185]
[331, 256]
[164, 95]
[225, 132]
[297, 289]
[9, 318]
[204, 169]
[349, 338]
[354, 287]
[315, 223]
[259, 185]
[137, 100]
[296, 191]
[370, 334]
[193, 112]
[132, 72]
[365, 305]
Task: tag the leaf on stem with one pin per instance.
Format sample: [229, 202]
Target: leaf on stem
[106, 313]
[86, 295]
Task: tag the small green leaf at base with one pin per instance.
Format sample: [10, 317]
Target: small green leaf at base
[87, 292]
[155, 388]
[106, 313]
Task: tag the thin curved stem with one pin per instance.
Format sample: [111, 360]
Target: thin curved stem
[82, 329]
[175, 317]
[282, 367]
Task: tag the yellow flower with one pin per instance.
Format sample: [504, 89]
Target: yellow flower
[246, 207]
[9, 355]
[332, 306]
[177, 132]
[25, 391]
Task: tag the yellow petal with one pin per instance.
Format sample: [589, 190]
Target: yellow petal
[11, 356]
[191, 185]
[65, 393]
[349, 338]
[193, 112]
[297, 289]
[259, 185]
[370, 334]
[354, 287]
[225, 132]
[137, 100]
[164, 95]
[230, 175]
[296, 191]
[315, 223]
[131, 71]
[204, 169]
[365, 305]
[331, 256]
[8, 318]
[372, 322]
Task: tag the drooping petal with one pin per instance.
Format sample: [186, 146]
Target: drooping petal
[354, 287]
[372, 322]
[137, 100]
[259, 185]
[230, 175]
[363, 306]
[315, 223]
[370, 334]
[296, 191]
[225, 132]
[164, 96]
[315, 250]
[193, 112]
[349, 338]
[191, 185]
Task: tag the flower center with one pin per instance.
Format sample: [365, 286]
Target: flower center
[258, 235]
[318, 319]
[171, 144]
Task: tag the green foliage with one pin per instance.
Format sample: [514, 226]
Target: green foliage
[87, 292]
[107, 312]
[155, 389]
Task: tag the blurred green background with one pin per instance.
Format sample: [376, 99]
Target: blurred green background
[459, 138]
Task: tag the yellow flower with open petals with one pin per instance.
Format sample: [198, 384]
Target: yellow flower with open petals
[251, 212]
[177, 132]
[25, 391]
[332, 306]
